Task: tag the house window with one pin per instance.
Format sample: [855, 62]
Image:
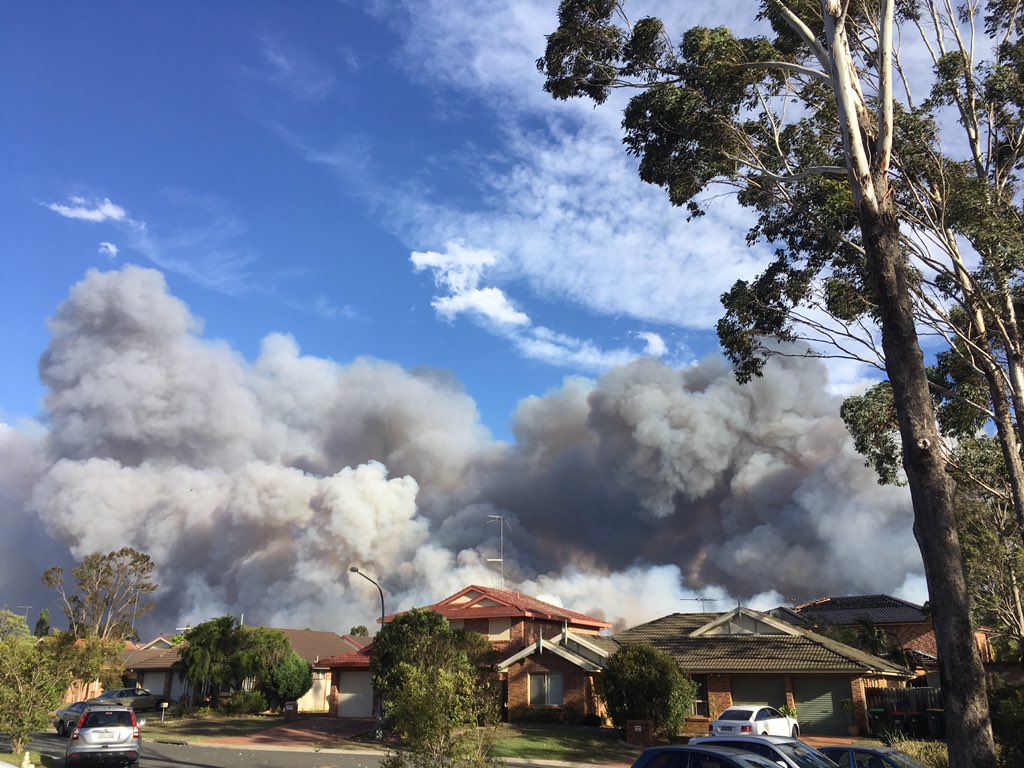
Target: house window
[700, 696]
[546, 690]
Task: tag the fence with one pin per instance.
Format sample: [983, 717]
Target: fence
[904, 699]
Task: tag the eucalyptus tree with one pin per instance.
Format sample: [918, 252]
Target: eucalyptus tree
[818, 127]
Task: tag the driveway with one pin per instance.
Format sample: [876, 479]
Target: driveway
[304, 733]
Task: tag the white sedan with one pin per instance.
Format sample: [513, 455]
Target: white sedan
[754, 720]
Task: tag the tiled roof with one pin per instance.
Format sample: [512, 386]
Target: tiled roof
[313, 645]
[355, 660]
[803, 651]
[878, 609]
[150, 658]
[508, 604]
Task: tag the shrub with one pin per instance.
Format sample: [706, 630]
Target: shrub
[932, 753]
[643, 683]
[246, 703]
[1007, 709]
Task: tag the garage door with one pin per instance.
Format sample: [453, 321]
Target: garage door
[818, 704]
[758, 690]
[355, 694]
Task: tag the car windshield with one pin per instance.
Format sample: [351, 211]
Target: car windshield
[735, 714]
[107, 719]
[804, 756]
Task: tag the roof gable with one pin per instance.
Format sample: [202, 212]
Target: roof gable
[480, 602]
[692, 641]
[743, 621]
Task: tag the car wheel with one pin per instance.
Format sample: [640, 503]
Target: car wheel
[62, 730]
[796, 731]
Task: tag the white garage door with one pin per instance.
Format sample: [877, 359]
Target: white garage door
[355, 694]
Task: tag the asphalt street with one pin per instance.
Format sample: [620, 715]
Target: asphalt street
[161, 755]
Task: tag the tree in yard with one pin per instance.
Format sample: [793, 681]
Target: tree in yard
[643, 683]
[359, 630]
[260, 649]
[867, 216]
[210, 657]
[12, 625]
[287, 680]
[436, 695]
[111, 593]
[32, 684]
[42, 627]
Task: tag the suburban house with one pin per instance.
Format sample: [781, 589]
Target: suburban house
[549, 655]
[151, 665]
[908, 626]
[748, 657]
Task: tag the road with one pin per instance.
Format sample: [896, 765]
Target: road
[158, 755]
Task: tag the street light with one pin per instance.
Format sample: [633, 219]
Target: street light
[380, 698]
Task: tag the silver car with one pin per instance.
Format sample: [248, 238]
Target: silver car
[67, 717]
[105, 735]
[782, 750]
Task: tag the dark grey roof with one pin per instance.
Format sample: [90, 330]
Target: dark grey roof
[804, 652]
[878, 609]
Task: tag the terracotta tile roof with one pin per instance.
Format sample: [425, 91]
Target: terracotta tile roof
[476, 602]
[878, 609]
[801, 652]
[354, 660]
[150, 658]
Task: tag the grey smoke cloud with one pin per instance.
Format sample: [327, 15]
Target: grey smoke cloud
[255, 485]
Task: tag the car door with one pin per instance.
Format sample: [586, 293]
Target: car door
[777, 724]
[838, 755]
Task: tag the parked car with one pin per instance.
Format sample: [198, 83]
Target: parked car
[135, 698]
[677, 756]
[67, 717]
[780, 750]
[871, 757]
[105, 735]
[757, 720]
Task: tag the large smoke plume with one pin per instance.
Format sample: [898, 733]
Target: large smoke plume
[255, 486]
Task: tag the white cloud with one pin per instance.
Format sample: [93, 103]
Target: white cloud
[86, 210]
[109, 249]
[303, 78]
[656, 346]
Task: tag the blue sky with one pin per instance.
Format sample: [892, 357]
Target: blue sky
[385, 180]
[282, 166]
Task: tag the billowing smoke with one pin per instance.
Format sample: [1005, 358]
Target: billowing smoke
[255, 485]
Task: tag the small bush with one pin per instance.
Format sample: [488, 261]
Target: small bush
[932, 753]
[1007, 708]
[245, 703]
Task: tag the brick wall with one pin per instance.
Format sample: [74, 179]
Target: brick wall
[915, 637]
[579, 698]
[719, 694]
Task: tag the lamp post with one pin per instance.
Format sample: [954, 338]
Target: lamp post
[380, 697]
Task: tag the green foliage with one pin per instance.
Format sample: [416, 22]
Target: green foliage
[245, 703]
[435, 713]
[359, 630]
[434, 692]
[259, 650]
[32, 684]
[288, 680]
[110, 593]
[404, 640]
[12, 625]
[42, 627]
[211, 654]
[644, 683]
[87, 659]
[1007, 709]
[932, 754]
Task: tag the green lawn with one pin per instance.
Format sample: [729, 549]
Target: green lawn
[45, 761]
[562, 742]
[198, 728]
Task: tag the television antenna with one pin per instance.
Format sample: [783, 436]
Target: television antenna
[500, 559]
[704, 601]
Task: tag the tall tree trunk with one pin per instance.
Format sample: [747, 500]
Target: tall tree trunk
[963, 680]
